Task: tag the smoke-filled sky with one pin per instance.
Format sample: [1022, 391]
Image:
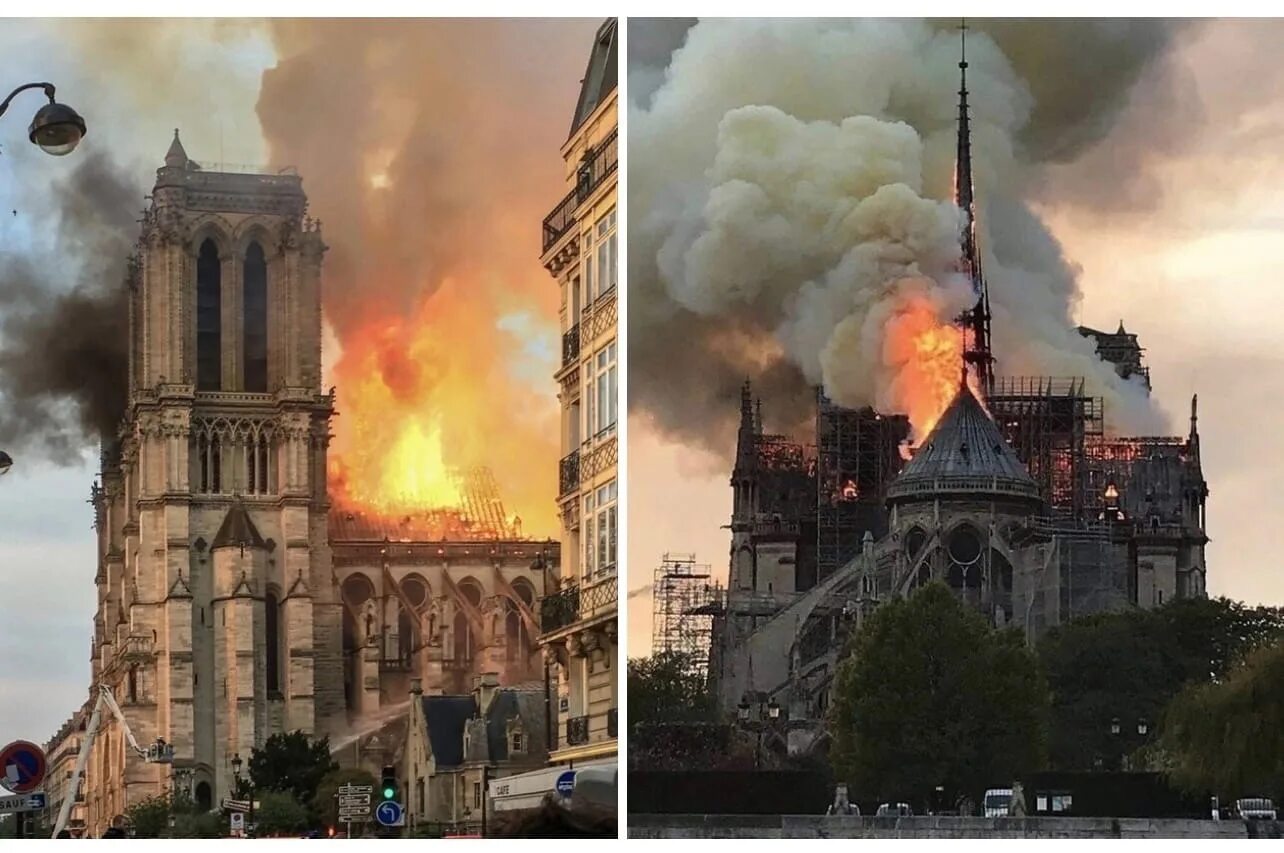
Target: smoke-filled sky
[1123, 171]
[429, 150]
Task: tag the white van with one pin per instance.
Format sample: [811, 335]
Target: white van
[998, 802]
[1255, 808]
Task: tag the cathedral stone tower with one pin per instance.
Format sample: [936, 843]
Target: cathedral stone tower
[218, 617]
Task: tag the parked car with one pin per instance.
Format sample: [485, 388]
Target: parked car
[1255, 808]
[894, 810]
[998, 802]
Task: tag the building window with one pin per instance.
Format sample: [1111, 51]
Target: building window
[516, 745]
[419, 794]
[209, 309]
[602, 392]
[255, 281]
[604, 239]
[589, 280]
[477, 795]
[590, 544]
[600, 530]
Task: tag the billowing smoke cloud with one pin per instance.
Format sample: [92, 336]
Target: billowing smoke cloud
[430, 151]
[69, 224]
[788, 200]
[63, 351]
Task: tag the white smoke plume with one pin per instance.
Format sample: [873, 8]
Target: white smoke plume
[790, 186]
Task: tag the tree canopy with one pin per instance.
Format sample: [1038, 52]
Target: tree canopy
[664, 688]
[291, 762]
[931, 695]
[1128, 666]
[1227, 736]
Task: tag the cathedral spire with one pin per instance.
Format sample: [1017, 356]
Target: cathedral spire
[176, 156]
[976, 321]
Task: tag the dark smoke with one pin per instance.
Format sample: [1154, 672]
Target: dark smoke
[64, 318]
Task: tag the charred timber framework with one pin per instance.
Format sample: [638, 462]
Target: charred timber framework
[857, 457]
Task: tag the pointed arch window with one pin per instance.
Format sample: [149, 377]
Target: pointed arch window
[209, 308]
[255, 279]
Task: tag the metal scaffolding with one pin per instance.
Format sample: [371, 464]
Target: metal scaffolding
[682, 620]
[857, 457]
[1049, 424]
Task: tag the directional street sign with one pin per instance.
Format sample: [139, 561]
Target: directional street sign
[566, 783]
[22, 803]
[354, 803]
[356, 789]
[354, 800]
[391, 813]
[22, 767]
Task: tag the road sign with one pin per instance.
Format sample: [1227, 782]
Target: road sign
[356, 789]
[22, 803]
[354, 800]
[391, 813]
[22, 767]
[237, 824]
[565, 783]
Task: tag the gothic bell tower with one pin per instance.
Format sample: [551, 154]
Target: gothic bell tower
[218, 620]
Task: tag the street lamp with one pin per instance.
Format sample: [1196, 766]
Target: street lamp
[56, 128]
[236, 766]
[1143, 727]
[6, 462]
[1114, 726]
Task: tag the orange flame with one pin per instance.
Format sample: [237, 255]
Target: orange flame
[926, 354]
[419, 403]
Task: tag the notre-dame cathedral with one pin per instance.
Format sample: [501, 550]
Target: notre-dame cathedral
[234, 601]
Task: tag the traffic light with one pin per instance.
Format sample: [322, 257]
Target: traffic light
[389, 784]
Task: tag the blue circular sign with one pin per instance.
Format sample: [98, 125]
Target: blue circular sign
[566, 783]
[389, 813]
[22, 767]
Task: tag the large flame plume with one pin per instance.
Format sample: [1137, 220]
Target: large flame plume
[430, 151]
[927, 357]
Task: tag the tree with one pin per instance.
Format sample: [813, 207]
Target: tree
[664, 688]
[1127, 666]
[149, 818]
[1227, 736]
[325, 804]
[291, 762]
[931, 695]
[279, 814]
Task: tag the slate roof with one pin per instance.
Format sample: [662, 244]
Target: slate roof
[600, 76]
[446, 717]
[965, 453]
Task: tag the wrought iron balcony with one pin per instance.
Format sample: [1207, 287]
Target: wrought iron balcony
[560, 609]
[598, 164]
[569, 474]
[571, 345]
[575, 603]
[561, 219]
[577, 731]
[612, 723]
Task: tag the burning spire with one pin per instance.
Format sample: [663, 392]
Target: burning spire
[976, 322]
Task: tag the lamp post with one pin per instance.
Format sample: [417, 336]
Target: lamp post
[767, 718]
[1117, 729]
[56, 128]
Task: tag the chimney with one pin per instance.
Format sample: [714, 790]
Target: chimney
[487, 685]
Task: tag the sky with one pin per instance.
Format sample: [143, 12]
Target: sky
[1185, 248]
[134, 82]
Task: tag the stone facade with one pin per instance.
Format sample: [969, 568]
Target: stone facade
[579, 630]
[218, 616]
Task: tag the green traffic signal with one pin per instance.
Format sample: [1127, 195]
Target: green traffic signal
[389, 793]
